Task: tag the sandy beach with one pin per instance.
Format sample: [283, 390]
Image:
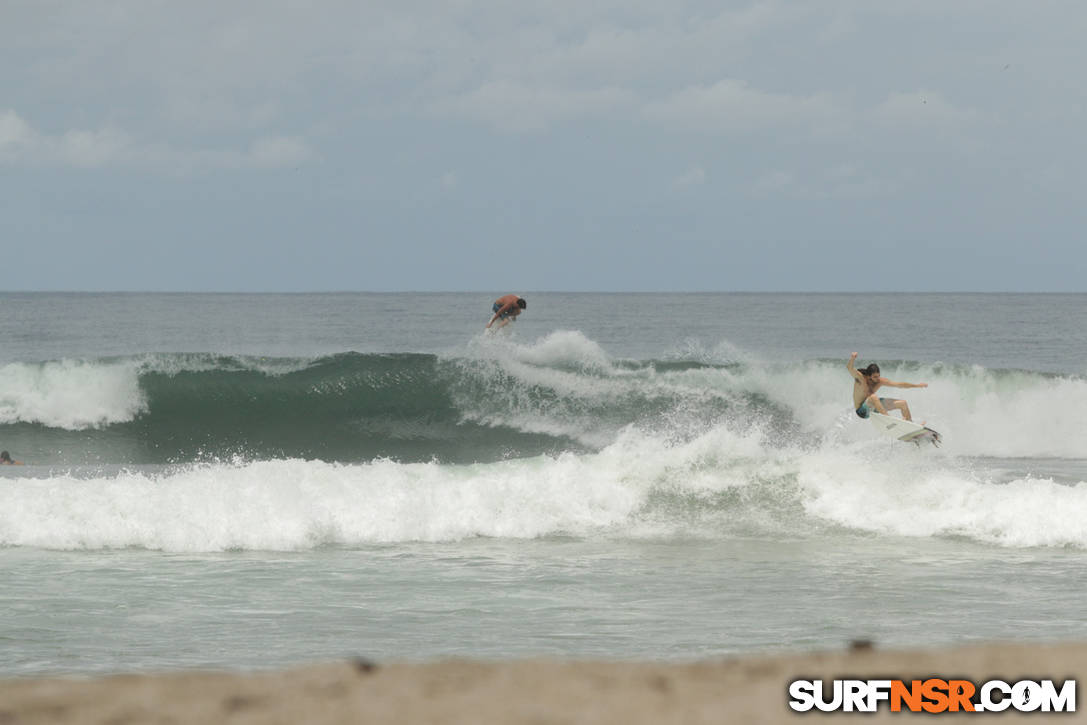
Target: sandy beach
[741, 690]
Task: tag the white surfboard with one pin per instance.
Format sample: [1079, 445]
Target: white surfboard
[904, 430]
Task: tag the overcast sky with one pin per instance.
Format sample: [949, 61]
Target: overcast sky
[564, 145]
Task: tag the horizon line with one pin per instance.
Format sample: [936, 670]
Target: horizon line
[540, 291]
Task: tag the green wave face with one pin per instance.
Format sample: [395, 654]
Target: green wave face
[408, 407]
[348, 407]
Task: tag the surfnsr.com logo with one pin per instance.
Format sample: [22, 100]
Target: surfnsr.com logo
[933, 695]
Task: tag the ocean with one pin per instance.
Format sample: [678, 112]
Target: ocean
[248, 481]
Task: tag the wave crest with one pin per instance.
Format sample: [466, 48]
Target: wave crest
[495, 400]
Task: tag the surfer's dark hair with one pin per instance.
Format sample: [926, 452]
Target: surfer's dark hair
[521, 303]
[871, 370]
[5, 456]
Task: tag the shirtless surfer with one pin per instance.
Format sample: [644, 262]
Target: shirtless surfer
[5, 460]
[865, 384]
[506, 308]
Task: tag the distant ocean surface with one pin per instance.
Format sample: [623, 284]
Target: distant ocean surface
[242, 481]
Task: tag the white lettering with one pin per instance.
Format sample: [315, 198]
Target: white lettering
[803, 694]
[1064, 701]
[878, 690]
[1026, 696]
[987, 702]
[835, 701]
[855, 696]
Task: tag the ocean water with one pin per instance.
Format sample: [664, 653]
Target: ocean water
[244, 481]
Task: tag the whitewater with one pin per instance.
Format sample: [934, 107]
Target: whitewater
[603, 488]
[563, 439]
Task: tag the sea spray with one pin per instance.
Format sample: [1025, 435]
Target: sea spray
[71, 394]
[494, 400]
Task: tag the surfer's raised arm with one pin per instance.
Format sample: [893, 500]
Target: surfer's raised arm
[852, 368]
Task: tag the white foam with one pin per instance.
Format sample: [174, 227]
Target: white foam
[176, 363]
[724, 352]
[72, 394]
[895, 490]
[719, 484]
[581, 386]
[565, 349]
[979, 412]
[1012, 415]
[290, 505]
[78, 394]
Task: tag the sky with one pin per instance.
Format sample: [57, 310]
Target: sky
[634, 145]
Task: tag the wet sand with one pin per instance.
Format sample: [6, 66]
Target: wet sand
[748, 689]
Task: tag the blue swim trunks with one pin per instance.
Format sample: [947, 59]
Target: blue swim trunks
[863, 410]
[496, 307]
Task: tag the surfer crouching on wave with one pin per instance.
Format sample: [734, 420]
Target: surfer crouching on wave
[506, 308]
[865, 384]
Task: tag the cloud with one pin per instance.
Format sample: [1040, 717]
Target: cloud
[522, 108]
[206, 111]
[273, 152]
[775, 181]
[22, 144]
[694, 176]
[90, 148]
[852, 181]
[921, 109]
[731, 106]
[840, 181]
[16, 135]
[728, 106]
